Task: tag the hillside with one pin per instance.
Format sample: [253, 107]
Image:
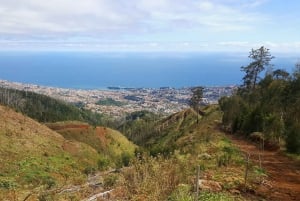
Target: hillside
[179, 146]
[110, 144]
[34, 160]
[162, 135]
[44, 108]
[42, 164]
[176, 149]
[139, 126]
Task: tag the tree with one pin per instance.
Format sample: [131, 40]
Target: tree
[281, 74]
[260, 60]
[197, 95]
[296, 72]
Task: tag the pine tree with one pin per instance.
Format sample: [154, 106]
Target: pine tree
[197, 95]
[260, 60]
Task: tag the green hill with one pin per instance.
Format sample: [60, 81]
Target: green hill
[177, 147]
[112, 145]
[33, 158]
[160, 135]
[180, 131]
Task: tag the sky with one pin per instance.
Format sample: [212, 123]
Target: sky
[150, 25]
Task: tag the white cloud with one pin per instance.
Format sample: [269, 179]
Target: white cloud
[86, 17]
[91, 17]
[134, 24]
[284, 47]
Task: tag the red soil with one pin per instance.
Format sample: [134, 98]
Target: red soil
[99, 132]
[283, 181]
[68, 126]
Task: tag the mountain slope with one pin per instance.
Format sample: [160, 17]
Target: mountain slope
[170, 133]
[33, 156]
[110, 144]
[178, 147]
[237, 166]
[44, 108]
[138, 126]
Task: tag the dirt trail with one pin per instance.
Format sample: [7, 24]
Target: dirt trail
[283, 182]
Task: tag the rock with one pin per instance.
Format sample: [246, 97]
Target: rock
[209, 185]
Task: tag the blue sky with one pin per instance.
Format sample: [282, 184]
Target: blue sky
[150, 25]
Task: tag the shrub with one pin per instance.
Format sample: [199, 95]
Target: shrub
[89, 170]
[49, 182]
[124, 160]
[110, 181]
[125, 157]
[7, 184]
[103, 163]
[293, 140]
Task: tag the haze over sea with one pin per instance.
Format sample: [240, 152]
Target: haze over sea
[98, 70]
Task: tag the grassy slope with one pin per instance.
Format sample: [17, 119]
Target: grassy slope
[108, 143]
[188, 137]
[191, 145]
[33, 156]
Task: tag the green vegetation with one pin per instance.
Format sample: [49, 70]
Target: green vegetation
[139, 126]
[110, 102]
[33, 156]
[269, 105]
[173, 151]
[113, 148]
[46, 109]
[133, 98]
[196, 99]
[171, 155]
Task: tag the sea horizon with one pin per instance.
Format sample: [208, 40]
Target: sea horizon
[100, 70]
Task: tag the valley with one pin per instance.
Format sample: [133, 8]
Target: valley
[243, 147]
[65, 159]
[81, 161]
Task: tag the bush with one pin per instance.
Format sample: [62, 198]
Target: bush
[293, 140]
[89, 170]
[110, 181]
[125, 157]
[49, 182]
[103, 163]
[124, 160]
[7, 184]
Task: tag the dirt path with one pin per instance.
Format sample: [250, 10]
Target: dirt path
[283, 182]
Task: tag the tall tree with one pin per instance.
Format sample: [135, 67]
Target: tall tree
[296, 72]
[281, 74]
[260, 60]
[197, 95]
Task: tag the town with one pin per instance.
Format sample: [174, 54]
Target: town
[117, 101]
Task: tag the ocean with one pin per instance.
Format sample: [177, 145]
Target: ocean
[98, 70]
